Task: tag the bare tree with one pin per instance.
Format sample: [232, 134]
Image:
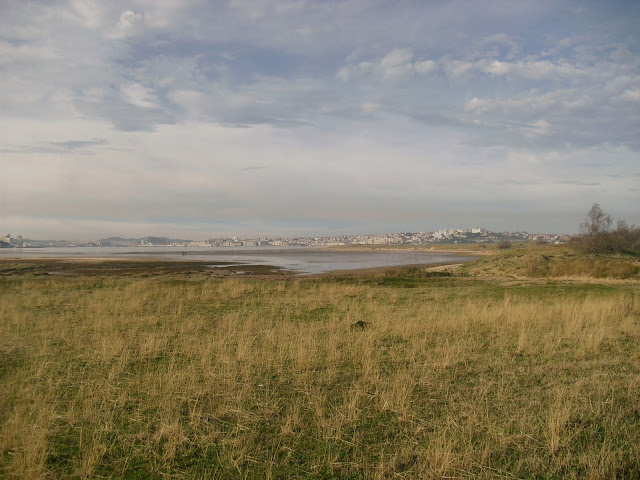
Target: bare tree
[597, 221]
[599, 237]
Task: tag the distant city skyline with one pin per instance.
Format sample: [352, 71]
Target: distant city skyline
[455, 235]
[246, 118]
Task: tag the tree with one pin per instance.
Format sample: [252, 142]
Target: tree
[597, 221]
[598, 236]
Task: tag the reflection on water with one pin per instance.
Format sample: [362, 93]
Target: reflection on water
[307, 260]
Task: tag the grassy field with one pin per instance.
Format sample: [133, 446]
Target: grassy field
[489, 371]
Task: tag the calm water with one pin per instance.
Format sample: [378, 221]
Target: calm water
[306, 260]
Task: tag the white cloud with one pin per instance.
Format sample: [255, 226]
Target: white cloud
[89, 11]
[370, 107]
[138, 95]
[344, 73]
[129, 24]
[499, 68]
[537, 70]
[631, 95]
[458, 69]
[539, 127]
[396, 64]
[25, 53]
[425, 67]
[465, 70]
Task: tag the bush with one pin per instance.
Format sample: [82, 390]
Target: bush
[598, 237]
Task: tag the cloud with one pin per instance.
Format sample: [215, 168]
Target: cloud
[396, 64]
[88, 12]
[78, 144]
[67, 146]
[499, 45]
[268, 100]
[331, 112]
[425, 67]
[129, 24]
[630, 95]
[126, 116]
[587, 115]
[586, 184]
[457, 69]
[536, 70]
[11, 53]
[138, 95]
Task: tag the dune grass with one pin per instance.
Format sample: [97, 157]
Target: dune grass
[184, 376]
[557, 261]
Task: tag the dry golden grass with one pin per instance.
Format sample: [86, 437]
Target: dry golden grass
[208, 378]
[557, 261]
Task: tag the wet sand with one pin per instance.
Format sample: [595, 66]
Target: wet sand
[222, 262]
[75, 267]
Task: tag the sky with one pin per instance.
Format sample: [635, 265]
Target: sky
[202, 119]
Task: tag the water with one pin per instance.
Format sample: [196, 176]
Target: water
[304, 260]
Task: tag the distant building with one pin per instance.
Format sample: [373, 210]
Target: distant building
[8, 241]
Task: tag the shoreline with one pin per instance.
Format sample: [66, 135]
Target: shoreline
[431, 267]
[75, 267]
[413, 248]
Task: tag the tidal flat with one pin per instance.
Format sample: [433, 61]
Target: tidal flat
[487, 370]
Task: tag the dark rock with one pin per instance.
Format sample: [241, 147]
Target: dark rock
[360, 325]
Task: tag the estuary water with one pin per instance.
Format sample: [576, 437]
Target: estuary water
[304, 260]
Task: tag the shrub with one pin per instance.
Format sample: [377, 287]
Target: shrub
[598, 237]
